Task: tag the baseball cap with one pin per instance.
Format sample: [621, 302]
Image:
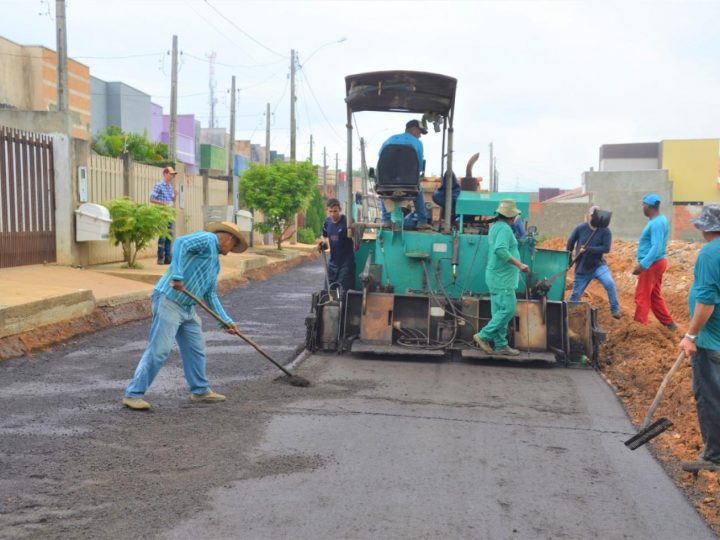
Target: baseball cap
[417, 124]
[653, 199]
[709, 220]
[169, 170]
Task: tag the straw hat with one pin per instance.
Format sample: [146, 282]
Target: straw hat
[507, 208]
[230, 228]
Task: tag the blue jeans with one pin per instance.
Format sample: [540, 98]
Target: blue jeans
[343, 274]
[604, 276]
[420, 213]
[706, 387]
[170, 322]
[164, 250]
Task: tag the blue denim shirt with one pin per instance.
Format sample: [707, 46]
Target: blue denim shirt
[196, 262]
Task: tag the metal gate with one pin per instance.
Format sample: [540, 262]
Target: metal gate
[27, 198]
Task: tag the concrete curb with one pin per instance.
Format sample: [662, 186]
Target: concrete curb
[31, 326]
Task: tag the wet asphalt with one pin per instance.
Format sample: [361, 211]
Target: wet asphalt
[75, 463]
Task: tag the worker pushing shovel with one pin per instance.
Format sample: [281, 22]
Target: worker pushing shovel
[194, 269]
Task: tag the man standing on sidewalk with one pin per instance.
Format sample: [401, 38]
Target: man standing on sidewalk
[590, 244]
[702, 339]
[501, 274]
[652, 265]
[195, 267]
[164, 193]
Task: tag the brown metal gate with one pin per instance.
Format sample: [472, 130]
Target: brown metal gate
[27, 198]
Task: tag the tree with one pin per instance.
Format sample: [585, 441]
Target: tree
[316, 213]
[134, 225]
[279, 190]
[113, 141]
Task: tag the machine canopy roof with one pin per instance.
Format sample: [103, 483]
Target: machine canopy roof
[401, 91]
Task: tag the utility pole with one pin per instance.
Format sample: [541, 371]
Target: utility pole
[491, 179]
[267, 135]
[172, 147]
[292, 105]
[311, 149]
[62, 63]
[324, 172]
[231, 152]
[363, 166]
[337, 180]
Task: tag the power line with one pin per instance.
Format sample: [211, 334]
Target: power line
[243, 31]
[306, 80]
[232, 65]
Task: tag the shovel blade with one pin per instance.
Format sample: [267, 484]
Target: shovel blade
[649, 433]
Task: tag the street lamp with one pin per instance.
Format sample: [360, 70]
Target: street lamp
[323, 46]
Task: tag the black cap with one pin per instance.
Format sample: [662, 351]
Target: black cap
[417, 124]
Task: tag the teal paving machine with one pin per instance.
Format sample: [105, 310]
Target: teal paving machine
[423, 292]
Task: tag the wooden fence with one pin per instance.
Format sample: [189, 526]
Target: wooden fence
[106, 182]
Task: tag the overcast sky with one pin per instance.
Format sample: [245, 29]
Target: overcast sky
[546, 82]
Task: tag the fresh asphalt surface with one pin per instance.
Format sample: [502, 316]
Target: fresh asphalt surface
[375, 449]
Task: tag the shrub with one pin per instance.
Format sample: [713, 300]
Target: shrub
[306, 236]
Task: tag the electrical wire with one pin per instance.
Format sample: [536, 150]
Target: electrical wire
[216, 10]
[305, 78]
[201, 59]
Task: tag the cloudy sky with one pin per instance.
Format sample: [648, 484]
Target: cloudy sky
[546, 82]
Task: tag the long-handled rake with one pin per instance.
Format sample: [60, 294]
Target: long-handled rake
[650, 431]
[295, 380]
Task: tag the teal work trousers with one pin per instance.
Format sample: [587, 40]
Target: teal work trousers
[502, 309]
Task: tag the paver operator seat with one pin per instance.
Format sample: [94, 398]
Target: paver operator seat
[398, 175]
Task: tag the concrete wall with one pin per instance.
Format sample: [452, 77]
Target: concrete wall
[621, 192]
[557, 219]
[18, 72]
[98, 106]
[629, 164]
[128, 108]
[37, 121]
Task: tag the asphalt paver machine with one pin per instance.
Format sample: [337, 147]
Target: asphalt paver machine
[423, 292]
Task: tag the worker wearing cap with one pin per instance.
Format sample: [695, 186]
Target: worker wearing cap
[702, 339]
[652, 264]
[411, 137]
[164, 193]
[591, 244]
[195, 267]
[501, 274]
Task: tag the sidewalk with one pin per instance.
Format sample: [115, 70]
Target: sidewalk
[44, 304]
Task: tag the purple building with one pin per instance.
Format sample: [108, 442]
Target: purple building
[187, 135]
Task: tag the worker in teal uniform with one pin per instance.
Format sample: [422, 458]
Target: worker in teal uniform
[502, 273]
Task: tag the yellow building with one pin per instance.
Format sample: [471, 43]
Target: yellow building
[693, 167]
[28, 82]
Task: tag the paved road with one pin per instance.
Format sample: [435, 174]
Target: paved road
[426, 450]
[374, 449]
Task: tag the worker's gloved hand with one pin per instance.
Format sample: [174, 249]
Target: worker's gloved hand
[322, 246]
[232, 329]
[177, 285]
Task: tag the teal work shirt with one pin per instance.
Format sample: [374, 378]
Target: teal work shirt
[500, 274]
[195, 262]
[653, 241]
[706, 290]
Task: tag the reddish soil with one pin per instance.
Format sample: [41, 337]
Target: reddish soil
[635, 358]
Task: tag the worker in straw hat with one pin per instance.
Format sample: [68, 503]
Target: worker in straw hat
[502, 274]
[702, 339]
[194, 267]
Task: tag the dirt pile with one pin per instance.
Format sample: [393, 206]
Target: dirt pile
[635, 359]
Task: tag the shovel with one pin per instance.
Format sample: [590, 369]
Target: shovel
[294, 380]
[650, 431]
